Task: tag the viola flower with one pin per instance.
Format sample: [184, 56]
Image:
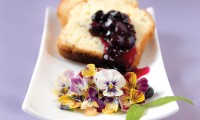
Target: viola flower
[111, 107]
[94, 96]
[62, 82]
[126, 100]
[132, 83]
[93, 93]
[97, 96]
[67, 103]
[142, 85]
[89, 71]
[69, 74]
[90, 107]
[78, 85]
[110, 81]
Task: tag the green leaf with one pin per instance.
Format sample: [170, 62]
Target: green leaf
[165, 100]
[135, 112]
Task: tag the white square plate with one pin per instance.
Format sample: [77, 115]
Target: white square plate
[41, 102]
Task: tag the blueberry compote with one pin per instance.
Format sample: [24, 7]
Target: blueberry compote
[118, 36]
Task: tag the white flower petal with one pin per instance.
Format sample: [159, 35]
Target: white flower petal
[69, 74]
[101, 83]
[120, 80]
[115, 72]
[84, 104]
[101, 78]
[110, 74]
[107, 73]
[109, 94]
[99, 75]
[119, 92]
[61, 81]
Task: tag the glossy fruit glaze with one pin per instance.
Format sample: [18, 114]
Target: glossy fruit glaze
[117, 35]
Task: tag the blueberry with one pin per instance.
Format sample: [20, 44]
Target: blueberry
[121, 28]
[98, 16]
[116, 15]
[111, 13]
[131, 28]
[129, 42]
[114, 27]
[116, 40]
[149, 93]
[96, 29]
[125, 18]
[114, 52]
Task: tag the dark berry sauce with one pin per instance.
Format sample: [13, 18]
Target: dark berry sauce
[118, 37]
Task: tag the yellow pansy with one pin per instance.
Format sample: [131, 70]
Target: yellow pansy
[66, 100]
[89, 71]
[136, 96]
[111, 107]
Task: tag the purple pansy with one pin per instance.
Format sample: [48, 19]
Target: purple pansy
[78, 85]
[94, 95]
[142, 85]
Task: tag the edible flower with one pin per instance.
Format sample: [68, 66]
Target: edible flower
[110, 81]
[68, 103]
[97, 96]
[132, 83]
[90, 107]
[134, 91]
[111, 107]
[62, 82]
[126, 100]
[78, 85]
[89, 71]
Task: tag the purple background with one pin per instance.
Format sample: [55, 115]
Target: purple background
[21, 25]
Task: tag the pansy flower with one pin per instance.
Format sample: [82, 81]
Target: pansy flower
[78, 85]
[97, 96]
[88, 74]
[67, 103]
[90, 107]
[134, 90]
[133, 83]
[126, 100]
[110, 81]
[89, 71]
[62, 82]
[111, 107]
